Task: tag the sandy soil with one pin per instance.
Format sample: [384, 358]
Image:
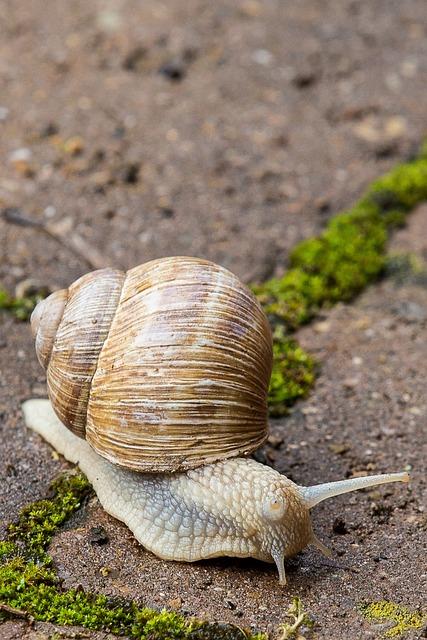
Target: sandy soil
[228, 131]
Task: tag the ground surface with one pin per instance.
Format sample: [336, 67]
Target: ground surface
[282, 115]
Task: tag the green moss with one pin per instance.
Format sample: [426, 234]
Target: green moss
[403, 619]
[38, 522]
[349, 254]
[406, 182]
[29, 581]
[338, 265]
[7, 548]
[37, 590]
[21, 308]
[293, 373]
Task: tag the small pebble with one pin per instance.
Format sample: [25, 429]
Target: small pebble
[49, 212]
[339, 448]
[262, 57]
[350, 383]
[50, 129]
[74, 146]
[129, 172]
[98, 535]
[310, 410]
[322, 327]
[101, 178]
[275, 441]
[175, 603]
[305, 78]
[21, 161]
[135, 59]
[174, 70]
[20, 155]
[109, 20]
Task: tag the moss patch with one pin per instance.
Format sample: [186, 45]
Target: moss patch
[336, 266]
[293, 373]
[38, 522]
[29, 581]
[403, 619]
[349, 254]
[21, 308]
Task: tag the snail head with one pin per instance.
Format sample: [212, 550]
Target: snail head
[285, 511]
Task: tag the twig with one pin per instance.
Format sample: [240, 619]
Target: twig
[71, 240]
[299, 618]
[15, 216]
[12, 612]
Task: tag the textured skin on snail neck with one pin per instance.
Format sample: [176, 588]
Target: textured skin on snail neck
[216, 510]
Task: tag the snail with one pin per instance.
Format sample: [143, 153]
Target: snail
[157, 381]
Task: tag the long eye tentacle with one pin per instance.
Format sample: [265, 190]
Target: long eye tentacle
[319, 492]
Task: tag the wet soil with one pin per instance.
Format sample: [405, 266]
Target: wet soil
[228, 132]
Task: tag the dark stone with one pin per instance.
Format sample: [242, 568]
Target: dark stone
[129, 173]
[98, 535]
[339, 526]
[386, 149]
[174, 70]
[305, 79]
[50, 129]
[167, 212]
[133, 61]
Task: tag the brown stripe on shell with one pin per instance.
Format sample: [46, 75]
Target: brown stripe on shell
[92, 302]
[183, 375]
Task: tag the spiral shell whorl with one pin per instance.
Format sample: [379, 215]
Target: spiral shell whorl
[44, 321]
[91, 304]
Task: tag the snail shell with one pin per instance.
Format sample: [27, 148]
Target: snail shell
[163, 368]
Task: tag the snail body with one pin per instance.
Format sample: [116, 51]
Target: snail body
[155, 393]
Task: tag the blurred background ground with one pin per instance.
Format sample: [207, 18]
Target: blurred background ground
[229, 131]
